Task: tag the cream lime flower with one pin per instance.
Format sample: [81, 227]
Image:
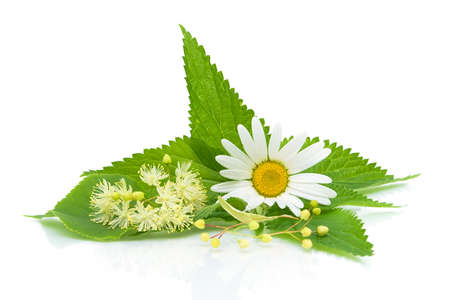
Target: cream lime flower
[152, 175]
[269, 173]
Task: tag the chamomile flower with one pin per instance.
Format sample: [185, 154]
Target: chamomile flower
[145, 217]
[152, 175]
[269, 173]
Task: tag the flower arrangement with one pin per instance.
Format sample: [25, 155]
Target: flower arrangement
[232, 174]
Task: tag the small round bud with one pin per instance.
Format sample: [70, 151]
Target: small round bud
[266, 238]
[307, 244]
[215, 242]
[138, 196]
[115, 196]
[200, 224]
[253, 225]
[167, 159]
[127, 196]
[322, 230]
[243, 243]
[316, 211]
[204, 236]
[314, 203]
[305, 214]
[306, 232]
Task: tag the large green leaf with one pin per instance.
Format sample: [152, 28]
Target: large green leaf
[181, 150]
[215, 107]
[349, 169]
[346, 232]
[74, 209]
[346, 196]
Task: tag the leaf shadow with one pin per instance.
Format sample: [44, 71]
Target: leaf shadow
[58, 235]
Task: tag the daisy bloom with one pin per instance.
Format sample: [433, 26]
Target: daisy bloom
[269, 173]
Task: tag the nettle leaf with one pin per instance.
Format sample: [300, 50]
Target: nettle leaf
[215, 107]
[74, 210]
[346, 196]
[181, 150]
[346, 233]
[349, 169]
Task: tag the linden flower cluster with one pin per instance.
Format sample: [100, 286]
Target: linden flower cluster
[298, 230]
[117, 205]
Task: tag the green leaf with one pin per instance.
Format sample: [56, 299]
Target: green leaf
[48, 214]
[74, 209]
[207, 211]
[346, 196]
[243, 216]
[181, 150]
[346, 233]
[348, 168]
[215, 107]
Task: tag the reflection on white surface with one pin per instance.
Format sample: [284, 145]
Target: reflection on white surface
[182, 267]
[192, 267]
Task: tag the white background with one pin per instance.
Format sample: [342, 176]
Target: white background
[84, 83]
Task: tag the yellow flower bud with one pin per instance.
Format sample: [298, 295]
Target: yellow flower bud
[314, 203]
[127, 196]
[243, 243]
[316, 211]
[307, 244]
[115, 196]
[305, 214]
[215, 242]
[266, 238]
[306, 232]
[204, 236]
[322, 230]
[138, 196]
[253, 225]
[200, 224]
[167, 159]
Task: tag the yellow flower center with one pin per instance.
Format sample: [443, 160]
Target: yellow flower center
[270, 178]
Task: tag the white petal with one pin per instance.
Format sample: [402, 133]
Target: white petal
[293, 200]
[248, 143]
[281, 201]
[237, 153]
[295, 210]
[269, 201]
[241, 193]
[259, 138]
[308, 157]
[229, 186]
[313, 189]
[305, 154]
[310, 178]
[307, 196]
[249, 195]
[236, 174]
[275, 140]
[291, 148]
[230, 162]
